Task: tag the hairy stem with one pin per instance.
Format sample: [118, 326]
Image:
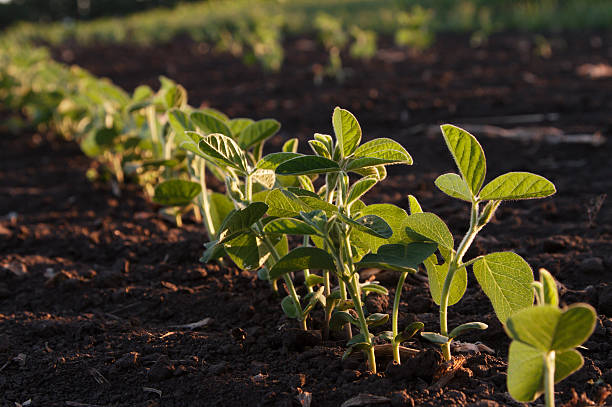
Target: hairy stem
[208, 222]
[549, 379]
[306, 243]
[452, 268]
[353, 287]
[396, 303]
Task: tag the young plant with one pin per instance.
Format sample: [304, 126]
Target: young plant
[544, 338]
[348, 235]
[504, 276]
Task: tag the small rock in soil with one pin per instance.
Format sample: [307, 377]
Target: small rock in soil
[401, 399]
[298, 340]
[592, 265]
[160, 371]
[127, 361]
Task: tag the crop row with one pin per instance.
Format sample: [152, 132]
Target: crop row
[256, 29]
[155, 138]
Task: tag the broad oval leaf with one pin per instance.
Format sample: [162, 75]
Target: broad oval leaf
[319, 148]
[176, 192]
[307, 164]
[209, 124]
[430, 226]
[436, 274]
[220, 207]
[370, 224]
[291, 145]
[506, 279]
[289, 308]
[575, 325]
[273, 160]
[415, 206]
[525, 372]
[302, 258]
[393, 215]
[341, 318]
[379, 151]
[468, 156]
[534, 326]
[246, 251]
[237, 125]
[377, 319]
[257, 132]
[517, 185]
[283, 203]
[347, 131]
[453, 185]
[289, 226]
[239, 221]
[223, 151]
[180, 123]
[435, 337]
[398, 257]
[359, 188]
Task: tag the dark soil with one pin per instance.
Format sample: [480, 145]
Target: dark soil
[93, 288]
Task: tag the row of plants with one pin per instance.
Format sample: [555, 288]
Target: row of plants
[256, 31]
[299, 219]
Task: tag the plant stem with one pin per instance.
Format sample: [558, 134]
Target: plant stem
[208, 222]
[305, 243]
[452, 268]
[353, 287]
[288, 282]
[549, 379]
[396, 302]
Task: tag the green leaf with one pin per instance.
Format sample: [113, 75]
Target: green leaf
[551, 295]
[435, 338]
[180, 123]
[525, 372]
[220, 207]
[534, 326]
[312, 299]
[379, 172]
[289, 308]
[302, 258]
[566, 363]
[237, 125]
[395, 218]
[318, 204]
[468, 156]
[575, 325]
[359, 346]
[291, 145]
[176, 192]
[265, 177]
[319, 148]
[347, 131]
[189, 140]
[506, 279]
[313, 280]
[209, 124]
[408, 332]
[341, 318]
[359, 188]
[517, 185]
[453, 185]
[370, 224]
[307, 164]
[246, 251]
[469, 326]
[223, 151]
[257, 132]
[378, 152]
[415, 207]
[215, 113]
[374, 288]
[398, 257]
[271, 161]
[283, 203]
[436, 275]
[239, 221]
[430, 226]
[377, 319]
[289, 226]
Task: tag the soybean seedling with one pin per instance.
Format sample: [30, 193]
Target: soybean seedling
[348, 235]
[544, 338]
[505, 277]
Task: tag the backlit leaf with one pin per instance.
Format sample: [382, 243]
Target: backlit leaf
[468, 156]
[517, 185]
[347, 131]
[257, 132]
[453, 185]
[176, 192]
[398, 257]
[209, 124]
[302, 258]
[307, 164]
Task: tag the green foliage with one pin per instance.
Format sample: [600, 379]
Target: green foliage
[176, 192]
[544, 338]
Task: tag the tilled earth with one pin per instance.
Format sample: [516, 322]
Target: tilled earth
[96, 290]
